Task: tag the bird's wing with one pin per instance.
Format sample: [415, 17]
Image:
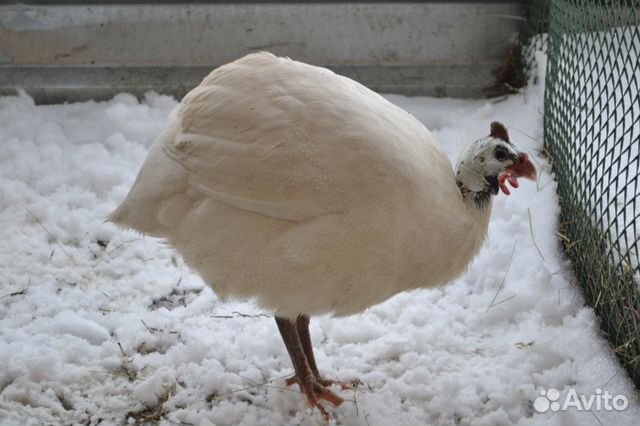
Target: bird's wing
[280, 138]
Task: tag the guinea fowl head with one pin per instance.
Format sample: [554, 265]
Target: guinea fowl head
[489, 163]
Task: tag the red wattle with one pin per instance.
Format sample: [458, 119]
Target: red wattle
[502, 181]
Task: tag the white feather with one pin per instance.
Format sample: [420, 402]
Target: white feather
[301, 188]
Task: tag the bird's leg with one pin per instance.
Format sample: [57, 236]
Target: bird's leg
[304, 375]
[302, 327]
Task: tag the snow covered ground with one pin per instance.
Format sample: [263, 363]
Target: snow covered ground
[102, 326]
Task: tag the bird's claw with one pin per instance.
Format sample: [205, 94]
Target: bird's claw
[316, 390]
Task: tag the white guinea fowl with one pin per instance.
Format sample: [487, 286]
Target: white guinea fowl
[286, 183]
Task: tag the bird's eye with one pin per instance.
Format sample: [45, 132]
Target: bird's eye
[501, 154]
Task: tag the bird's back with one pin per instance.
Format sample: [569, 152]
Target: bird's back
[288, 183]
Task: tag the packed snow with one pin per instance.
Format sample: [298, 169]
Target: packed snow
[104, 326]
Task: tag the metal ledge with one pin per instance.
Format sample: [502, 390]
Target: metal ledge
[69, 84]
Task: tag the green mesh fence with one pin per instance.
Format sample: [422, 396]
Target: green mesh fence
[592, 133]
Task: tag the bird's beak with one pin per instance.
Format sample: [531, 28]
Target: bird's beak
[522, 167]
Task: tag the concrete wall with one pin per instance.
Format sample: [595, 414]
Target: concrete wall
[75, 51]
